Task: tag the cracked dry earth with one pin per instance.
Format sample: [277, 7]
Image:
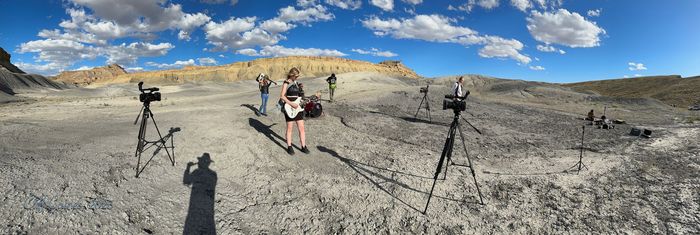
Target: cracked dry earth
[67, 166]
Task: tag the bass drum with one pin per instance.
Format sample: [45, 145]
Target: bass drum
[316, 110]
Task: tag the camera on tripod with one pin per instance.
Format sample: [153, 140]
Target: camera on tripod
[456, 103]
[149, 94]
[424, 89]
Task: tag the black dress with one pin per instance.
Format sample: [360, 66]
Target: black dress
[293, 92]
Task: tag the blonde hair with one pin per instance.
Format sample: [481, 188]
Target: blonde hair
[293, 72]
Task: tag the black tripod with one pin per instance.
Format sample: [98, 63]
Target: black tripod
[426, 101]
[144, 144]
[447, 154]
[580, 164]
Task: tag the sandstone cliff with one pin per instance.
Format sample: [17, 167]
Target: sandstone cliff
[5, 62]
[310, 66]
[86, 77]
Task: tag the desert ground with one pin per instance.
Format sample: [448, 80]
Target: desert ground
[67, 163]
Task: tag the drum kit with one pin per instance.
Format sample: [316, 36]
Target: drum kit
[312, 106]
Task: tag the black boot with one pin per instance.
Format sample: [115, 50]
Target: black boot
[290, 150]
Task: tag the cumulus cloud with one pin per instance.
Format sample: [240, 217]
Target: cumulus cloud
[466, 7]
[437, 28]
[564, 28]
[487, 4]
[48, 69]
[595, 13]
[521, 5]
[134, 69]
[207, 61]
[413, 2]
[345, 4]
[247, 33]
[278, 51]
[636, 66]
[233, 2]
[375, 52]
[549, 48]
[386, 5]
[113, 20]
[177, 64]
[537, 68]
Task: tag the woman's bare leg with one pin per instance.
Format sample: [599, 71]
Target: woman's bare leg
[302, 132]
[289, 133]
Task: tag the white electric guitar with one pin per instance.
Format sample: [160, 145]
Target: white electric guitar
[293, 112]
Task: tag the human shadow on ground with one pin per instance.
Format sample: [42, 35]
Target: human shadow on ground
[412, 119]
[365, 170]
[200, 215]
[267, 131]
[253, 108]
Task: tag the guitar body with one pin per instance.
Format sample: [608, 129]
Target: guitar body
[293, 112]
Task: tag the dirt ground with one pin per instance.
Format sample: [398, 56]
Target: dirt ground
[67, 163]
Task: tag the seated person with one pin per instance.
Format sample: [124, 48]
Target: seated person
[591, 116]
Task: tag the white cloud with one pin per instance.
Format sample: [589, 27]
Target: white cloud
[537, 68]
[305, 16]
[278, 51]
[595, 13]
[565, 28]
[522, 5]
[207, 61]
[413, 2]
[346, 4]
[307, 3]
[113, 20]
[48, 69]
[375, 52]
[84, 68]
[233, 2]
[177, 64]
[637, 75]
[636, 66]
[386, 5]
[487, 4]
[549, 48]
[134, 69]
[497, 47]
[466, 7]
[238, 33]
[128, 54]
[437, 28]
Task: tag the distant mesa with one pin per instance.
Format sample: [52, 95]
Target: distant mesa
[672, 90]
[277, 68]
[87, 77]
[15, 81]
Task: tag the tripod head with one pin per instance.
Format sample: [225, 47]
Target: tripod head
[424, 89]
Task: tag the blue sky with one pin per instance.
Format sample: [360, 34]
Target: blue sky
[541, 40]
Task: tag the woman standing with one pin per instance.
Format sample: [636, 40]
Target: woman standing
[291, 92]
[264, 82]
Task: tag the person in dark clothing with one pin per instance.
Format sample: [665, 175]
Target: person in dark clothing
[264, 83]
[291, 91]
[331, 85]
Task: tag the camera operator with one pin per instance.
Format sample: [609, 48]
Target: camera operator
[457, 87]
[264, 83]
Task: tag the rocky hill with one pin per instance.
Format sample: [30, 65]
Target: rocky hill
[14, 81]
[673, 90]
[86, 77]
[310, 66]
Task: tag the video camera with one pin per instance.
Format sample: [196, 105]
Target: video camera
[424, 89]
[149, 94]
[456, 103]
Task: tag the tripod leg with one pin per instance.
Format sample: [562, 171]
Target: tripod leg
[451, 145]
[448, 141]
[420, 105]
[471, 166]
[171, 158]
[139, 146]
[427, 102]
